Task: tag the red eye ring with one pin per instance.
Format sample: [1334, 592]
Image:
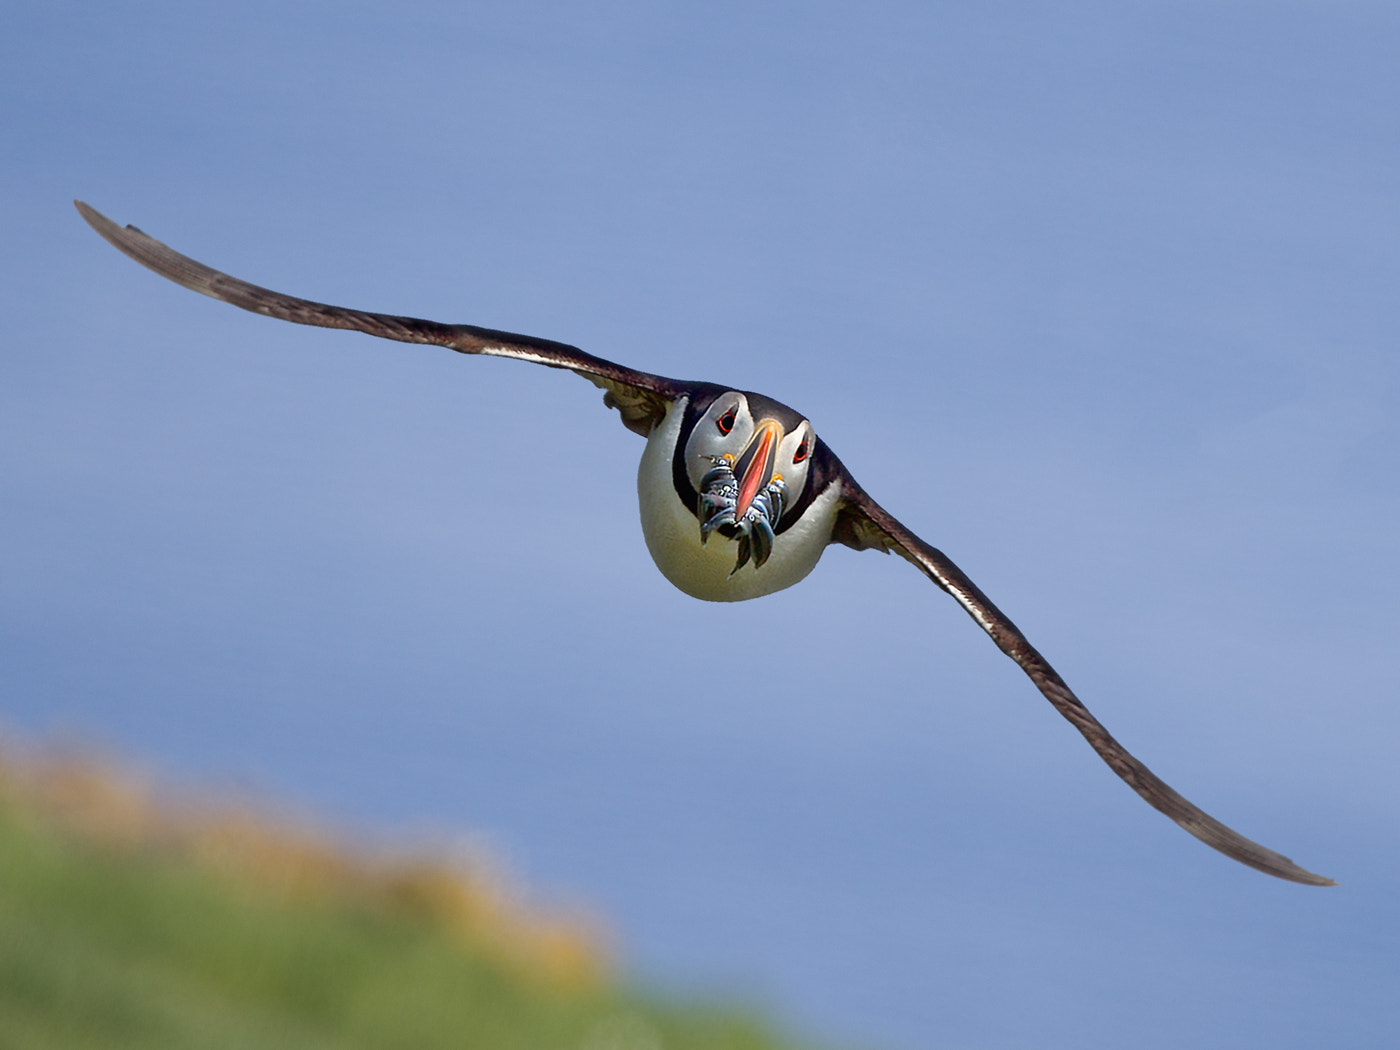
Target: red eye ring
[725, 423]
[801, 453]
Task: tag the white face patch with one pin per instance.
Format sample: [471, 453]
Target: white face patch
[724, 430]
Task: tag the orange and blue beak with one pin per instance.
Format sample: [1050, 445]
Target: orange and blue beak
[743, 498]
[754, 468]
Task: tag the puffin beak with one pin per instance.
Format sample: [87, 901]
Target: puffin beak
[755, 467]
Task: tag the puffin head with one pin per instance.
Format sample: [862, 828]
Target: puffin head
[747, 458]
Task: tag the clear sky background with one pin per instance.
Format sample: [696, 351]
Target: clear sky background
[1102, 299]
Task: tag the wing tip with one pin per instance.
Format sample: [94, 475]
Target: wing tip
[1285, 869]
[90, 214]
[1308, 878]
[105, 227]
[1248, 852]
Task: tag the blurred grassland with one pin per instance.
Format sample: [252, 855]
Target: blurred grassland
[128, 922]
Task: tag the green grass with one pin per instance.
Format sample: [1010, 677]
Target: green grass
[147, 944]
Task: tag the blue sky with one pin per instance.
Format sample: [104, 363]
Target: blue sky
[1100, 299]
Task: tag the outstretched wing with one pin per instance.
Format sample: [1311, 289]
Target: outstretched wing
[864, 524]
[641, 398]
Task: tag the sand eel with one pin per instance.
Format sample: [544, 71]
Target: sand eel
[739, 497]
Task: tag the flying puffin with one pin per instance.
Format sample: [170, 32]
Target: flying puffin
[739, 496]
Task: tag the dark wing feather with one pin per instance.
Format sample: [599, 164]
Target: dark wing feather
[864, 524]
[641, 398]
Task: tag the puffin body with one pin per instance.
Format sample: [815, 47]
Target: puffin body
[738, 496]
[708, 567]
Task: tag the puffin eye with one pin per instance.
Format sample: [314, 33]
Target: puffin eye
[801, 453]
[726, 421]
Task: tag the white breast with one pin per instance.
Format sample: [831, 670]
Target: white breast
[673, 533]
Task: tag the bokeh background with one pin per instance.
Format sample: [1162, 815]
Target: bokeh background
[1101, 299]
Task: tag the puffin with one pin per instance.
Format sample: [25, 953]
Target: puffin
[738, 494]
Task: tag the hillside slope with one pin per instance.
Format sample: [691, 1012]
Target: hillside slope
[124, 923]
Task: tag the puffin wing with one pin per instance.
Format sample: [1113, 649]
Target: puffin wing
[640, 398]
[864, 524]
